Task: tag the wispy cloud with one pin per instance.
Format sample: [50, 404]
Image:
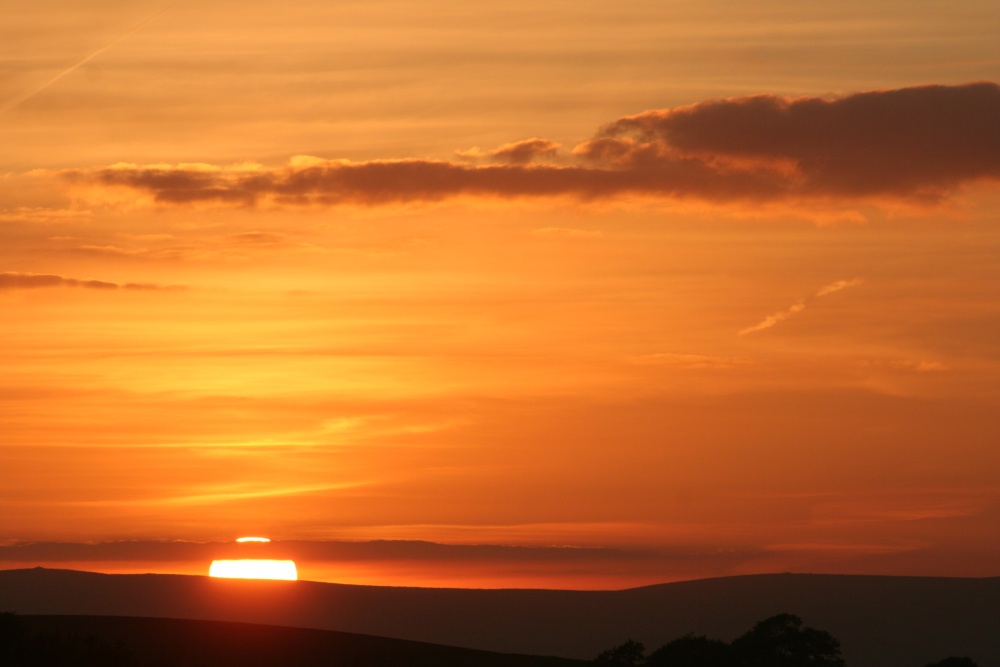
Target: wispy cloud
[10, 104]
[850, 548]
[800, 305]
[12, 280]
[908, 365]
[688, 361]
[837, 286]
[567, 233]
[918, 144]
[233, 493]
[41, 215]
[518, 152]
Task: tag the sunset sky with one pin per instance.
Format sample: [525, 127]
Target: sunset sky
[618, 292]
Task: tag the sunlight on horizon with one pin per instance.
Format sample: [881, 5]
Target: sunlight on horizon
[254, 568]
[250, 568]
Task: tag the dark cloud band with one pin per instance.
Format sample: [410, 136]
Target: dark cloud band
[918, 144]
[10, 280]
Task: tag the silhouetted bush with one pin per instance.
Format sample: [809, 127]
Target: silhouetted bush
[781, 641]
[692, 651]
[778, 641]
[628, 654]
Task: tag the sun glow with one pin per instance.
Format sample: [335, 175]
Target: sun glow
[251, 568]
[252, 539]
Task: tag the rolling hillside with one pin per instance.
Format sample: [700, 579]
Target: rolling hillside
[880, 621]
[181, 643]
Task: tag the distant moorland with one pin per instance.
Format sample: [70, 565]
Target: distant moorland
[878, 621]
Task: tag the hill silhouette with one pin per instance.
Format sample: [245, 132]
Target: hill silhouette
[182, 643]
[880, 621]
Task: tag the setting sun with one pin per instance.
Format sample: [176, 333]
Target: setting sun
[249, 568]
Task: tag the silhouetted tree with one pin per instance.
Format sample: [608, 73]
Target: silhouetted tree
[629, 654]
[781, 641]
[954, 661]
[692, 651]
[778, 641]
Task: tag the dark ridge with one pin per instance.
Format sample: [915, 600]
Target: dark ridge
[880, 621]
[182, 643]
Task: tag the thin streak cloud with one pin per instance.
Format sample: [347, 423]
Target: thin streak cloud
[800, 305]
[13, 280]
[837, 286]
[83, 61]
[225, 496]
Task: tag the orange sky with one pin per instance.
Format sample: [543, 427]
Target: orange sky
[708, 286]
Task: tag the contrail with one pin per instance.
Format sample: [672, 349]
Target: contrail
[799, 305]
[90, 56]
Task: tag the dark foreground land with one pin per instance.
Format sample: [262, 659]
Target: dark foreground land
[879, 621]
[162, 642]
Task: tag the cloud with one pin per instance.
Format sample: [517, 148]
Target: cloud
[800, 305]
[224, 494]
[41, 215]
[237, 247]
[688, 361]
[850, 548]
[266, 240]
[332, 182]
[913, 142]
[377, 550]
[837, 286]
[519, 152]
[918, 144]
[10, 104]
[771, 320]
[906, 365]
[567, 233]
[12, 280]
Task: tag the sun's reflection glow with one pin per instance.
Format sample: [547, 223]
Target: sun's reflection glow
[254, 568]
